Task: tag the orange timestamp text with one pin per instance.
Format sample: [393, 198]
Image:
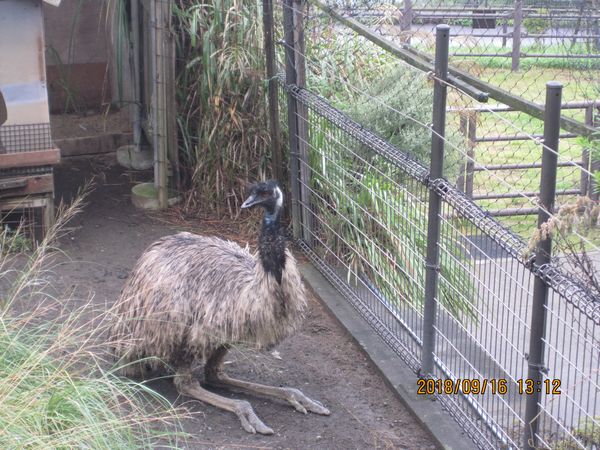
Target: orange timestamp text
[494, 386]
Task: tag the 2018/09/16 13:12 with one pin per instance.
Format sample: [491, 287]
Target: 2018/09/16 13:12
[494, 386]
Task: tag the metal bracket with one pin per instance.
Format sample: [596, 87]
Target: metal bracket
[435, 267]
[539, 367]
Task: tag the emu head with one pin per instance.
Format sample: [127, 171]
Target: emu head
[266, 194]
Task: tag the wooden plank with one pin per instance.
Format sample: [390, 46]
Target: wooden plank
[29, 159]
[12, 183]
[23, 202]
[26, 185]
[423, 61]
[104, 143]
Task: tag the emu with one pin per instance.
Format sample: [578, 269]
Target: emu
[190, 298]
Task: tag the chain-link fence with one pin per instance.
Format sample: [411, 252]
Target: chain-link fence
[501, 333]
[517, 45]
[502, 136]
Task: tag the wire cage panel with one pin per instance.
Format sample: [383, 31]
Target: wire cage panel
[25, 138]
[367, 244]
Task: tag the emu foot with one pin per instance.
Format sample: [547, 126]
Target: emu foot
[186, 385]
[250, 421]
[302, 403]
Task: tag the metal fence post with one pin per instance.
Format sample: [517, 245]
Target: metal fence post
[516, 35]
[292, 104]
[543, 253]
[276, 154]
[442, 35]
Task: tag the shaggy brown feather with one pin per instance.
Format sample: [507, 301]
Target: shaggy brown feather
[189, 294]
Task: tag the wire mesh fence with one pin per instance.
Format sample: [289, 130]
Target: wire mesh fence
[518, 45]
[358, 125]
[344, 66]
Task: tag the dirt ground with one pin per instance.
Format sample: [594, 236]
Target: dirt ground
[104, 243]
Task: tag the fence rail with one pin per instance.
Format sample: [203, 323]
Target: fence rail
[460, 302]
[469, 117]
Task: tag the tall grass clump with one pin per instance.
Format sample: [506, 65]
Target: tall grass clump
[55, 389]
[221, 97]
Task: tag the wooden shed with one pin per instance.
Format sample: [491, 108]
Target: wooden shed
[27, 153]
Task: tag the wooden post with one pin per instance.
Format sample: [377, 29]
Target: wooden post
[161, 102]
[292, 113]
[585, 157]
[468, 128]
[504, 32]
[303, 150]
[407, 18]
[171, 106]
[463, 130]
[472, 136]
[516, 37]
[595, 29]
[274, 128]
[159, 131]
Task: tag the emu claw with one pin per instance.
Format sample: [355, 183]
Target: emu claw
[303, 404]
[250, 421]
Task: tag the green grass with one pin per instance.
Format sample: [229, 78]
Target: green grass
[531, 85]
[527, 63]
[56, 390]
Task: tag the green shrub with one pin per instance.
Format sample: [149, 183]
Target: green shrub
[537, 25]
[399, 107]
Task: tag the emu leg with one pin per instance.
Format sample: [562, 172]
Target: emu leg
[214, 376]
[187, 385]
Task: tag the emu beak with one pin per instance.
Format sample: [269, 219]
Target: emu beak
[250, 202]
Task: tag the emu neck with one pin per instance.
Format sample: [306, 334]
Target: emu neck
[271, 245]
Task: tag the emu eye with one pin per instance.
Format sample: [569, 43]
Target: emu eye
[264, 194]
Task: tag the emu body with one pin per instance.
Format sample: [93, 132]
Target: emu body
[188, 295]
[189, 298]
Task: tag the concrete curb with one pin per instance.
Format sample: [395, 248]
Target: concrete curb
[443, 429]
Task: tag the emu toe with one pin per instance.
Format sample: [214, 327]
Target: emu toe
[303, 404]
[250, 421]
